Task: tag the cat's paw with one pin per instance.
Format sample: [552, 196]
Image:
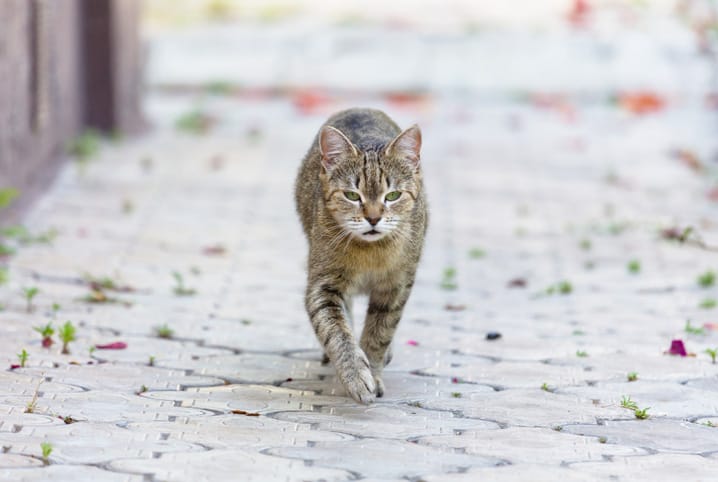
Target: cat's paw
[358, 379]
[379, 386]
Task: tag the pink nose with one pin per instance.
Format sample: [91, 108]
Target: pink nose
[373, 221]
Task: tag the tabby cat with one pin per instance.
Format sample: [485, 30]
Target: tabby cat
[361, 200]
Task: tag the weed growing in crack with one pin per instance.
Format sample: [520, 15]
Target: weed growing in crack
[29, 294]
[67, 334]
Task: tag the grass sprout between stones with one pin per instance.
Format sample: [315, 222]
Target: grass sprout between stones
[448, 280]
[632, 376]
[46, 448]
[712, 352]
[29, 294]
[67, 334]
[634, 266]
[180, 289]
[22, 357]
[708, 303]
[46, 332]
[163, 331]
[693, 330]
[707, 279]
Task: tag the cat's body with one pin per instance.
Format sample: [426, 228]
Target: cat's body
[361, 201]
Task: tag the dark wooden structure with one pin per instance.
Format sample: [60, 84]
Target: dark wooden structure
[65, 66]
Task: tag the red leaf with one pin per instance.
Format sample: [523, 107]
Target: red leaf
[412, 342]
[14, 366]
[677, 348]
[579, 13]
[517, 283]
[118, 345]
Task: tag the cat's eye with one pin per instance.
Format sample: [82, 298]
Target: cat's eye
[393, 196]
[352, 196]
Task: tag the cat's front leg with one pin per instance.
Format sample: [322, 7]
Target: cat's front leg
[327, 310]
[385, 307]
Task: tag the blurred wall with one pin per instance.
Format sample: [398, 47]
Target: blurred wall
[58, 59]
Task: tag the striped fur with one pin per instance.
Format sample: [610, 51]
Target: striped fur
[362, 151]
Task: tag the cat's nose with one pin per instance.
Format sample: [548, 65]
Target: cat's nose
[373, 221]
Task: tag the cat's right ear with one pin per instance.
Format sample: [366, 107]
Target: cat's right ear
[333, 146]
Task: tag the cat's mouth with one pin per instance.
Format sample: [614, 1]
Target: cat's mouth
[373, 232]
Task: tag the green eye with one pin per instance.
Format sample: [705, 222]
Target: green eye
[351, 195]
[393, 196]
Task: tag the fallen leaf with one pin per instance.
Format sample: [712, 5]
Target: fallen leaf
[14, 366]
[243, 412]
[517, 283]
[678, 348]
[412, 343]
[713, 194]
[451, 307]
[689, 159]
[641, 103]
[215, 250]
[118, 345]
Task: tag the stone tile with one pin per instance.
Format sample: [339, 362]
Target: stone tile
[523, 445]
[659, 434]
[67, 473]
[386, 421]
[653, 467]
[368, 458]
[226, 464]
[510, 473]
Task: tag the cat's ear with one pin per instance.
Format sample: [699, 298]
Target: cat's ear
[407, 145]
[333, 145]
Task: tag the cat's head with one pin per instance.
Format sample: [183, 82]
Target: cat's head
[371, 193]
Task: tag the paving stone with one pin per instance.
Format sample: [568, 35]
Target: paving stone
[67, 473]
[663, 435]
[509, 473]
[529, 408]
[362, 456]
[239, 431]
[386, 421]
[252, 398]
[523, 445]
[652, 467]
[227, 464]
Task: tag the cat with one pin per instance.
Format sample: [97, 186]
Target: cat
[360, 197]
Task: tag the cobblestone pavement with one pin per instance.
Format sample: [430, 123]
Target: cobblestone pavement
[550, 211]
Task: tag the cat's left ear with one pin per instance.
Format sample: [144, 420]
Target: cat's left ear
[333, 146]
[407, 145]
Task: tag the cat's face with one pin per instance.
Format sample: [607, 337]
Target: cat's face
[370, 194]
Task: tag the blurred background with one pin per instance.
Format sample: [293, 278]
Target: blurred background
[72, 71]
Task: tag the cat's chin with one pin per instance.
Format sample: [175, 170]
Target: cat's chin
[370, 236]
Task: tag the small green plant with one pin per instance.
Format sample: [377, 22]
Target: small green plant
[46, 448]
[707, 279]
[626, 402]
[708, 423]
[546, 388]
[634, 266]
[456, 394]
[85, 147]
[55, 308]
[91, 351]
[602, 440]
[194, 122]
[632, 376]
[46, 332]
[562, 287]
[641, 414]
[708, 304]
[180, 289]
[578, 332]
[164, 331]
[67, 334]
[581, 353]
[23, 356]
[557, 428]
[142, 389]
[245, 321]
[448, 280]
[693, 330]
[29, 294]
[477, 253]
[151, 361]
[585, 244]
[7, 196]
[4, 277]
[712, 352]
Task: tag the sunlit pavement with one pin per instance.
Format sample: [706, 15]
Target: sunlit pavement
[564, 162]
